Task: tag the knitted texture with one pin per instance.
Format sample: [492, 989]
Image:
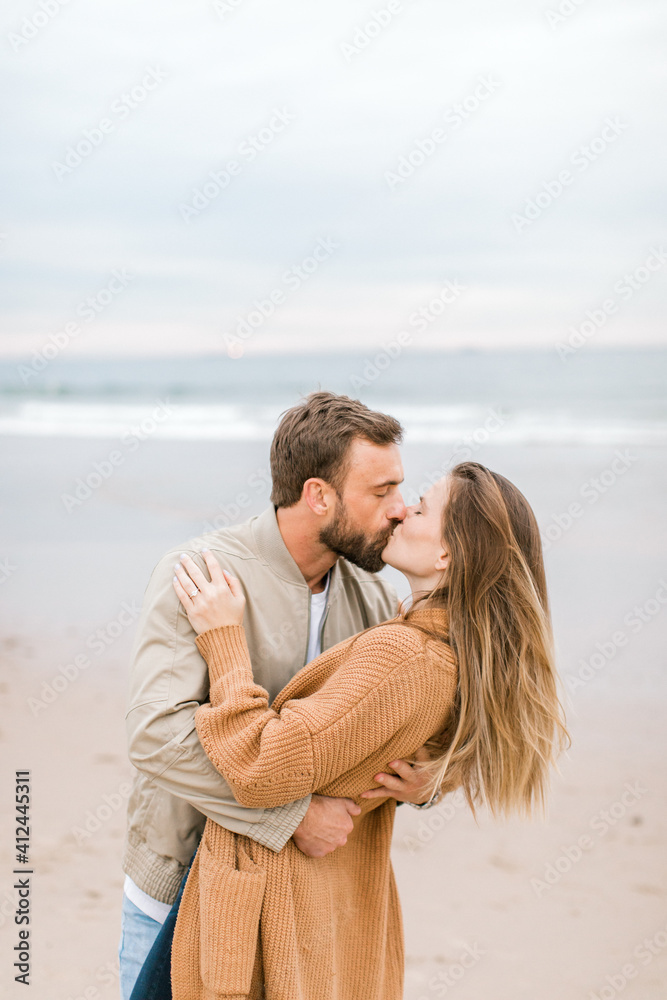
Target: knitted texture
[253, 923]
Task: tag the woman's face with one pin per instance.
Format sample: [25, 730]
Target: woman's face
[416, 547]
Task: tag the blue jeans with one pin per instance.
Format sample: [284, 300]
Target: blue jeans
[154, 979]
[138, 932]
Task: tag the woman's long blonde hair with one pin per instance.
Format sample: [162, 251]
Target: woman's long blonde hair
[508, 725]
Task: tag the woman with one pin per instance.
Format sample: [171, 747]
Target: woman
[468, 670]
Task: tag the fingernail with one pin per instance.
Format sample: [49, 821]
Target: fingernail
[177, 565]
[206, 550]
[183, 555]
[175, 579]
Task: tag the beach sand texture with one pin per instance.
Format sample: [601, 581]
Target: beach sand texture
[571, 907]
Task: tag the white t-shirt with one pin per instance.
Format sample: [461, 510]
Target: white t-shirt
[152, 907]
[318, 603]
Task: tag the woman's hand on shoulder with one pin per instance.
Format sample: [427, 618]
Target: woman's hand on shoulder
[208, 603]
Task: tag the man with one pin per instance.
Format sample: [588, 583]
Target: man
[307, 565]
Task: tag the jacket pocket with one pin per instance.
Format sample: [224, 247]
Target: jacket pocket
[230, 907]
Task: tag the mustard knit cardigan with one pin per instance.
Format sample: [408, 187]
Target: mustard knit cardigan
[254, 923]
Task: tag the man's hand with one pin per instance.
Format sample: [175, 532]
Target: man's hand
[407, 785]
[325, 826]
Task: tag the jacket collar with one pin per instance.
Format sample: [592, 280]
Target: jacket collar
[272, 548]
[431, 616]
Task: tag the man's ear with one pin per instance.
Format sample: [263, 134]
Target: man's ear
[317, 495]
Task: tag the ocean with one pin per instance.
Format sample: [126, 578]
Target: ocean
[592, 398]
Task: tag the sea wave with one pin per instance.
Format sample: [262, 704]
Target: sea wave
[172, 421]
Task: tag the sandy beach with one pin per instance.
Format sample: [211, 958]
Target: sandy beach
[574, 906]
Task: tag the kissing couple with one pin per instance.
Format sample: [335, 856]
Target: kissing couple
[282, 704]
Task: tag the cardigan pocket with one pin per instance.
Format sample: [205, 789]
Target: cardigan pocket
[230, 906]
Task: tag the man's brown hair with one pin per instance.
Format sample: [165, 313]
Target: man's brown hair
[313, 441]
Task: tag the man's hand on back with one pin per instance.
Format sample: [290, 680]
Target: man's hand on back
[325, 826]
[407, 785]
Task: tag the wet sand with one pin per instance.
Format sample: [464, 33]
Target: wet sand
[572, 906]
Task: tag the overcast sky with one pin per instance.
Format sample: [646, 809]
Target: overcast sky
[540, 188]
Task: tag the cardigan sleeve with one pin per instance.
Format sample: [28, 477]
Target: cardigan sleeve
[271, 757]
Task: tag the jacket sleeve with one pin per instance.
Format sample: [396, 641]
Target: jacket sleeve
[270, 757]
[168, 682]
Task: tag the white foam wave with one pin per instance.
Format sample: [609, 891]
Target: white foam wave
[164, 420]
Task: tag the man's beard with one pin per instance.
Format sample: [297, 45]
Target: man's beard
[346, 541]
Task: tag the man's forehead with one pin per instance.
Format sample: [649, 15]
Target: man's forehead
[381, 462]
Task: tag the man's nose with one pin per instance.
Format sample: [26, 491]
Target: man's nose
[398, 510]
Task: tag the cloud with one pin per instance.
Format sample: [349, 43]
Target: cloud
[361, 93]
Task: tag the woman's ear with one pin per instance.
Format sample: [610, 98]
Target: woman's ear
[442, 562]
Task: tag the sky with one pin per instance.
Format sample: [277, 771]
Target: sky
[242, 176]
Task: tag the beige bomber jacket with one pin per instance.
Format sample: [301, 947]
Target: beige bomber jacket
[177, 787]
